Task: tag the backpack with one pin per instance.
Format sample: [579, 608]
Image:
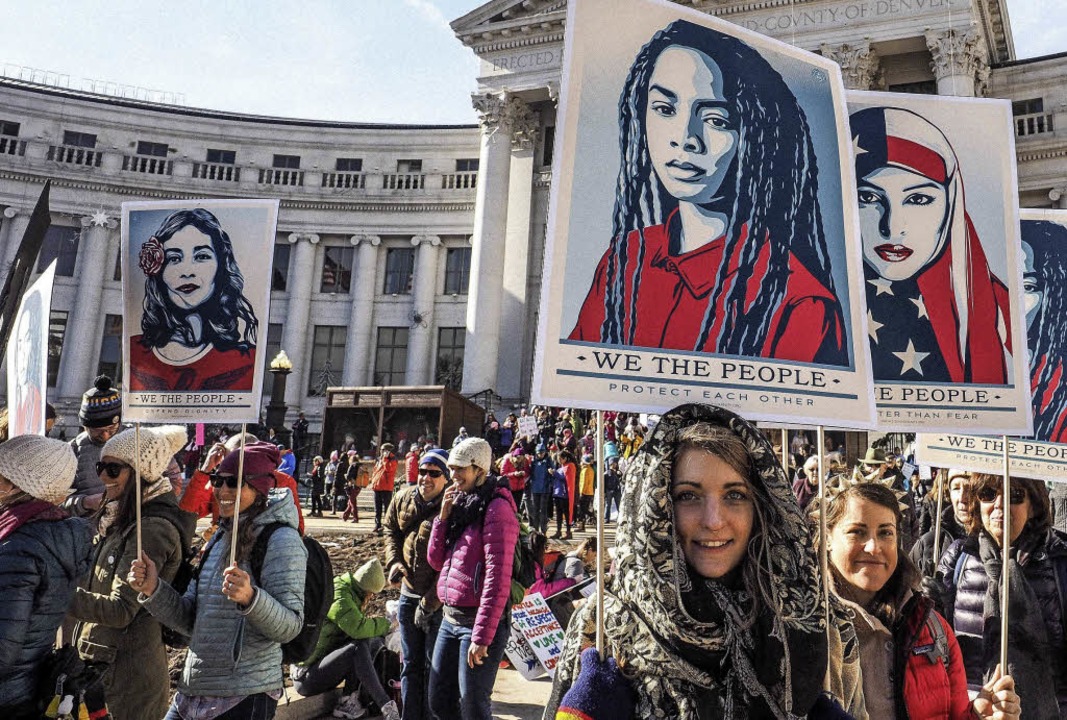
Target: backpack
[318, 592]
[523, 574]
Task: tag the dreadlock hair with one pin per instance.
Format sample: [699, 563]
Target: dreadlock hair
[1047, 334]
[770, 193]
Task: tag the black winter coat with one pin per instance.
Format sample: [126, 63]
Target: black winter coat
[40, 566]
[922, 553]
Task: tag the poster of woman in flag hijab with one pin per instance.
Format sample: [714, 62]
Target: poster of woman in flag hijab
[937, 197]
[715, 258]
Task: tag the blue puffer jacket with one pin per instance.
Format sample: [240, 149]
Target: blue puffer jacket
[41, 564]
[964, 596]
[235, 652]
[541, 475]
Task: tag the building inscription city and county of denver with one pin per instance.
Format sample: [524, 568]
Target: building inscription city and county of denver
[854, 10]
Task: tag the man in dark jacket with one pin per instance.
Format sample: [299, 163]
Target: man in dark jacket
[408, 523]
[954, 519]
[100, 413]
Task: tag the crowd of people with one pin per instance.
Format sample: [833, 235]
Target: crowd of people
[714, 604]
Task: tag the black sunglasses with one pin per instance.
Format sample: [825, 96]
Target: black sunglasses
[218, 481]
[430, 472]
[989, 494]
[113, 469]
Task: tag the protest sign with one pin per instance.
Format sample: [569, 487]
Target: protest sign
[1027, 458]
[528, 426]
[521, 655]
[540, 629]
[27, 359]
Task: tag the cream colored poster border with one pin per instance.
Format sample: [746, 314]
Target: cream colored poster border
[642, 379]
[1026, 458]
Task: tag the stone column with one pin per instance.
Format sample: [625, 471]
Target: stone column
[360, 350]
[420, 336]
[959, 61]
[81, 345]
[15, 223]
[859, 63]
[525, 128]
[295, 332]
[487, 258]
[1058, 196]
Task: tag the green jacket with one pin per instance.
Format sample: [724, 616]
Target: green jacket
[345, 620]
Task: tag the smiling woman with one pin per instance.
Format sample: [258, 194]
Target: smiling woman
[199, 330]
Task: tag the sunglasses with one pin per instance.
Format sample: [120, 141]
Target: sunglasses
[430, 472]
[218, 481]
[988, 495]
[113, 469]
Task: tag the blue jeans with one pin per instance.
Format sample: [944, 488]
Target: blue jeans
[456, 689]
[254, 707]
[539, 512]
[417, 648]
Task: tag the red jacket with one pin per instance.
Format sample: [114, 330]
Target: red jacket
[516, 468]
[199, 498]
[384, 475]
[413, 468]
[932, 690]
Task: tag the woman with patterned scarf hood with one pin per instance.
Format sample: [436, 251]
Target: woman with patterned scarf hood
[715, 609]
[113, 627]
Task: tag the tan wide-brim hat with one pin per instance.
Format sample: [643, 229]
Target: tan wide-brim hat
[39, 466]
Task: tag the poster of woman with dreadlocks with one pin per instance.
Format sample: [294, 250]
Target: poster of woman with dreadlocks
[937, 202]
[196, 296]
[1044, 236]
[724, 233]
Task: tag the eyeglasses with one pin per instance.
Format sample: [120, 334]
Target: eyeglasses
[113, 469]
[989, 494]
[430, 472]
[218, 481]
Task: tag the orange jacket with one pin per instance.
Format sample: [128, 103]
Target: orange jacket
[384, 476]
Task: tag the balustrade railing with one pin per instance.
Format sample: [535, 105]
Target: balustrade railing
[1033, 124]
[147, 165]
[70, 155]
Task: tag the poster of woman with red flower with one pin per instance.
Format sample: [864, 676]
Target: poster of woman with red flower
[195, 302]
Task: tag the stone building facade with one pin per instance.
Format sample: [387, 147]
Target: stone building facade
[412, 254]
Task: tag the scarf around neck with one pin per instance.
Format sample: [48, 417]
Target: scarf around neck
[15, 515]
[468, 508]
[684, 640]
[111, 509]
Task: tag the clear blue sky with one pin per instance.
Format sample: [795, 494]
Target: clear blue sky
[353, 60]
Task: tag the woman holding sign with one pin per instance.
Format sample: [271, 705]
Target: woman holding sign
[970, 572]
[198, 329]
[715, 609]
[912, 665]
[717, 244]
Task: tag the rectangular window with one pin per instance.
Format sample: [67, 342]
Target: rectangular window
[1028, 107]
[57, 329]
[327, 358]
[457, 271]
[391, 357]
[11, 129]
[349, 165]
[272, 347]
[286, 162]
[9, 139]
[467, 165]
[549, 145]
[449, 367]
[79, 139]
[399, 266]
[280, 275]
[409, 166]
[922, 87]
[60, 244]
[222, 157]
[152, 149]
[111, 348]
[337, 269]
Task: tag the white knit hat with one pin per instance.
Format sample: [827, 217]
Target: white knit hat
[472, 451]
[40, 466]
[158, 446]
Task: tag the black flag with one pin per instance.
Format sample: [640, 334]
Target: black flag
[18, 277]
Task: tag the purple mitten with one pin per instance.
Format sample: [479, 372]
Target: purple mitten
[600, 692]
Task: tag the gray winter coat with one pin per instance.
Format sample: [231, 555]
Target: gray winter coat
[235, 652]
[87, 481]
[40, 566]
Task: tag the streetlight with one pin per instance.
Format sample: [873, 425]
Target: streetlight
[280, 367]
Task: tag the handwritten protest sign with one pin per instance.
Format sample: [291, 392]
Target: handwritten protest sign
[521, 655]
[528, 426]
[540, 629]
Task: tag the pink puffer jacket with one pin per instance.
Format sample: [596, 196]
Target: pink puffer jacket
[476, 570]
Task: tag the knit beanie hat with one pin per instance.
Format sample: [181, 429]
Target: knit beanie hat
[370, 576]
[599, 692]
[158, 446]
[39, 466]
[261, 460]
[472, 451]
[101, 405]
[438, 457]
